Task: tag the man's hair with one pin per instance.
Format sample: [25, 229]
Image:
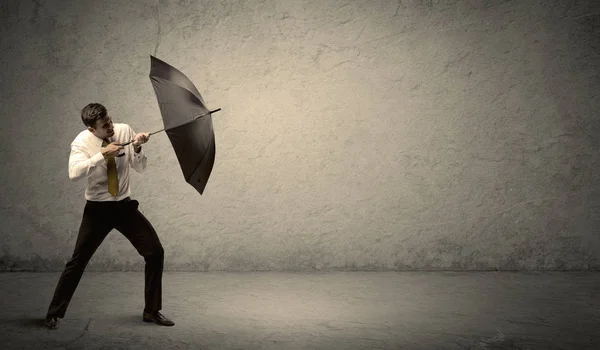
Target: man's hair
[91, 113]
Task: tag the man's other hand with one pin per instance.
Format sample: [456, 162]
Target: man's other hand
[111, 150]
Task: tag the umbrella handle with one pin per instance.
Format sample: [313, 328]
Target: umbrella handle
[152, 133]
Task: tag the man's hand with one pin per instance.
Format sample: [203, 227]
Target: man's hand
[111, 150]
[140, 138]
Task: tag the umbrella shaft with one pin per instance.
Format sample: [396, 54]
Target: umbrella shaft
[200, 116]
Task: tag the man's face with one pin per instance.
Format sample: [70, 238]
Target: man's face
[103, 128]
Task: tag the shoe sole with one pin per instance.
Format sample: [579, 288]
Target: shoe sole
[51, 327]
[160, 324]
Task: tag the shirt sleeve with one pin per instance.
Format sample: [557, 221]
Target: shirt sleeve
[81, 164]
[138, 161]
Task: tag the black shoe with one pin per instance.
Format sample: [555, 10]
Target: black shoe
[51, 322]
[157, 318]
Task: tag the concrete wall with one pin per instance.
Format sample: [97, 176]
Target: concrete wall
[367, 134]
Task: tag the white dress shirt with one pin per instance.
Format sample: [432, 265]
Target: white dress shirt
[86, 161]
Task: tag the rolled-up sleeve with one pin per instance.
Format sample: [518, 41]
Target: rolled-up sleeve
[138, 161]
[81, 164]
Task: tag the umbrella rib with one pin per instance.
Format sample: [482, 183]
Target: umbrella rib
[168, 82]
[197, 165]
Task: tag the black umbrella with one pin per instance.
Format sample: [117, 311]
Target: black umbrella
[187, 121]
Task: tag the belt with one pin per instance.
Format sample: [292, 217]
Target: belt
[124, 200]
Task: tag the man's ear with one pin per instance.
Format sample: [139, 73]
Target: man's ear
[90, 129]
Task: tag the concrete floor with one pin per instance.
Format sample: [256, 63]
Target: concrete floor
[327, 310]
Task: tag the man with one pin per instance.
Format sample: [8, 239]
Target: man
[97, 155]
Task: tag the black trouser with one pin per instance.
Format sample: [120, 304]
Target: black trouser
[99, 218]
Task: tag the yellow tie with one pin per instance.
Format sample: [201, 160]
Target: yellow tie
[111, 170]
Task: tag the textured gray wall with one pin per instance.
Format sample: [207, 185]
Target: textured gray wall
[353, 134]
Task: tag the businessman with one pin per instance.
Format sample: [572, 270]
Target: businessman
[98, 157]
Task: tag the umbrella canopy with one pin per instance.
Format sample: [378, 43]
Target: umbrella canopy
[187, 122]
